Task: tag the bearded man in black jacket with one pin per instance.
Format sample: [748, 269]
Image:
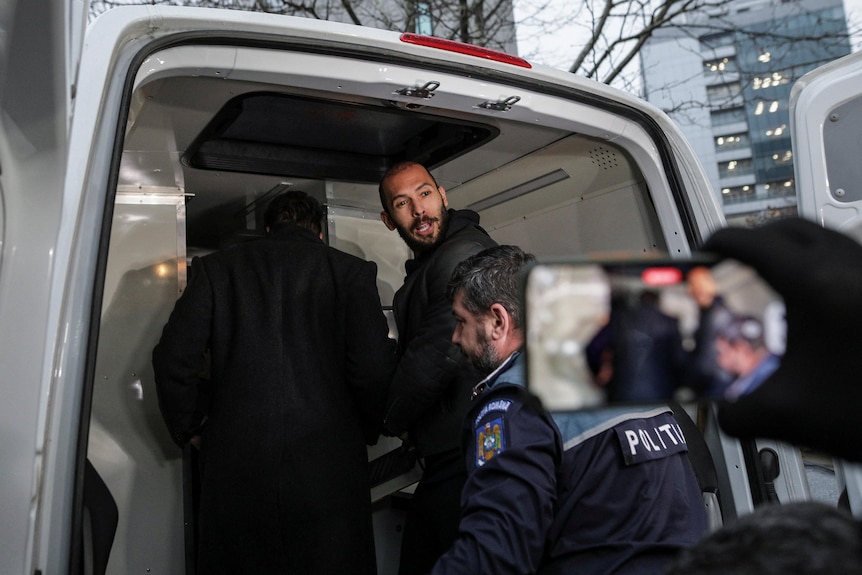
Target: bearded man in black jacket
[430, 391]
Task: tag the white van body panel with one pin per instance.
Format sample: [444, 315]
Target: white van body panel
[81, 152]
[826, 124]
[34, 112]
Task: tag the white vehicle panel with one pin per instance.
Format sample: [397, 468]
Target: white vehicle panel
[149, 80]
[826, 118]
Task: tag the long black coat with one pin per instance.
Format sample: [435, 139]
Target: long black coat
[300, 361]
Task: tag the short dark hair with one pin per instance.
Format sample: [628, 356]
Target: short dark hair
[491, 276]
[296, 207]
[799, 537]
[394, 170]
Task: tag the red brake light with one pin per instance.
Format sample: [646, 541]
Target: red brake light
[462, 48]
[661, 276]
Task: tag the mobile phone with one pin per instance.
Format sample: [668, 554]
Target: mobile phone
[648, 330]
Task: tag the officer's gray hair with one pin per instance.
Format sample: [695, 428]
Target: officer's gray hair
[491, 276]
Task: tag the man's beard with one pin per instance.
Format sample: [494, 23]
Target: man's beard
[419, 246]
[487, 359]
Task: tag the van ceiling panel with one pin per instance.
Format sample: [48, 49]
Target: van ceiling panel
[280, 134]
[620, 222]
[169, 114]
[280, 119]
[569, 170]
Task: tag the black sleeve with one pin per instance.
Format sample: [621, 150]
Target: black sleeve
[513, 453]
[179, 357]
[431, 363]
[370, 351]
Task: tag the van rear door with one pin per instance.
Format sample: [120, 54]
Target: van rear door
[826, 124]
[826, 112]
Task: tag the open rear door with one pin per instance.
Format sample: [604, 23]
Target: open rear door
[826, 117]
[826, 122]
[36, 77]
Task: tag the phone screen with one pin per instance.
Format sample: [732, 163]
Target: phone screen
[641, 331]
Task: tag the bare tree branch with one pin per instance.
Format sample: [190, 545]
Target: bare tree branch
[615, 31]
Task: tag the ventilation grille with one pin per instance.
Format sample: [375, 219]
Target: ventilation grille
[604, 158]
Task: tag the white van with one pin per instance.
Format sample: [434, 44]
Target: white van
[159, 134]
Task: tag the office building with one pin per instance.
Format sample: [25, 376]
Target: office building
[725, 76]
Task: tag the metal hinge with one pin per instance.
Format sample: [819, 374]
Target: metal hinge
[501, 105]
[426, 92]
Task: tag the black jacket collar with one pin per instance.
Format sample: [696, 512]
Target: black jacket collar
[458, 220]
[291, 231]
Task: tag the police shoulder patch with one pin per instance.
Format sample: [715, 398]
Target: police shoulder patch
[489, 440]
[648, 439]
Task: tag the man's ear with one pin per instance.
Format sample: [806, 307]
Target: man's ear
[500, 320]
[443, 195]
[387, 219]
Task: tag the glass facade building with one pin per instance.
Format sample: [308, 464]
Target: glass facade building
[725, 78]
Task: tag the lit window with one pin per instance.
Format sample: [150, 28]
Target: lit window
[731, 165]
[773, 107]
[774, 79]
[758, 110]
[737, 194]
[765, 57]
[723, 143]
[719, 65]
[779, 189]
[776, 131]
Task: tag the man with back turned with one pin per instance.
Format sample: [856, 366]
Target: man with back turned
[300, 361]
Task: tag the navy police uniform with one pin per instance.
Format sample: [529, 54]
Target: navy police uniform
[608, 491]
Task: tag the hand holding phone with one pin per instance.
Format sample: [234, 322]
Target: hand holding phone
[815, 397]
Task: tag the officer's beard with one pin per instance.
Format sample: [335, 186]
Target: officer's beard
[487, 360]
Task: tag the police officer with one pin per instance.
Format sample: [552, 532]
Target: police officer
[596, 492]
